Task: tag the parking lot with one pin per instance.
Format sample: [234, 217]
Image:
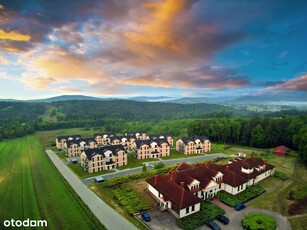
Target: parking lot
[160, 220]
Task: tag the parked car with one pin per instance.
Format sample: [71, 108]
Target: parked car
[240, 206]
[214, 226]
[99, 179]
[222, 219]
[145, 216]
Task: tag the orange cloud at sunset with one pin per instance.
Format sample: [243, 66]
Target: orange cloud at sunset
[12, 35]
[156, 29]
[56, 65]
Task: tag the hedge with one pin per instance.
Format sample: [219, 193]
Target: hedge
[281, 175]
[208, 211]
[248, 194]
[259, 221]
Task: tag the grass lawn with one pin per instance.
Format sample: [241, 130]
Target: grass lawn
[234, 149]
[47, 138]
[175, 154]
[61, 155]
[301, 171]
[278, 199]
[270, 183]
[77, 169]
[298, 223]
[283, 164]
[133, 162]
[32, 188]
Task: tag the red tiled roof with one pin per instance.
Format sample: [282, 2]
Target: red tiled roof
[281, 149]
[180, 197]
[174, 186]
[236, 166]
[183, 166]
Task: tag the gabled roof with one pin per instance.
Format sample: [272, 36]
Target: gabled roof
[140, 143]
[186, 140]
[88, 140]
[101, 151]
[72, 142]
[102, 134]
[115, 138]
[183, 166]
[281, 149]
[174, 186]
[75, 137]
[249, 163]
[59, 138]
[180, 197]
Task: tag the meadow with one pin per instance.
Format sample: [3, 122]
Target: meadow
[30, 187]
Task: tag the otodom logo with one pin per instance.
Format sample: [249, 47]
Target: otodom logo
[25, 223]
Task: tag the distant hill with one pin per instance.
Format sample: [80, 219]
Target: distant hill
[277, 99]
[152, 99]
[211, 100]
[70, 98]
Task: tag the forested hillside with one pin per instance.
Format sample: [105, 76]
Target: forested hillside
[219, 123]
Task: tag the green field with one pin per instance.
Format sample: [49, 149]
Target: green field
[30, 187]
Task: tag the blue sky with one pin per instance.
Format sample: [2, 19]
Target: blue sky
[159, 47]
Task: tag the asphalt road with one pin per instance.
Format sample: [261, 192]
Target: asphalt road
[126, 172]
[104, 213]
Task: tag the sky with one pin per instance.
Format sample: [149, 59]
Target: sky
[175, 48]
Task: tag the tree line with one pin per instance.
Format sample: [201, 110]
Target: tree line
[262, 132]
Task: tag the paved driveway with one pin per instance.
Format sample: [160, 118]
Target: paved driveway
[104, 213]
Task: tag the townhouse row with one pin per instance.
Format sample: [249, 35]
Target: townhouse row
[185, 187]
[142, 145]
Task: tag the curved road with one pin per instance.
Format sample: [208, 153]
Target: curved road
[104, 213]
[235, 218]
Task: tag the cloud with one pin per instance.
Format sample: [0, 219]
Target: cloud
[15, 36]
[3, 60]
[297, 84]
[148, 44]
[283, 54]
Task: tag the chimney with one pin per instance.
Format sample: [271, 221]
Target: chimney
[227, 167]
[173, 173]
[155, 179]
[265, 161]
[182, 184]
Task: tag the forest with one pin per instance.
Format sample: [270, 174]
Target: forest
[221, 124]
[262, 132]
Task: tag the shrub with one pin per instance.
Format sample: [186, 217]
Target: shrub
[208, 211]
[259, 221]
[249, 193]
[159, 165]
[129, 200]
[281, 175]
[300, 207]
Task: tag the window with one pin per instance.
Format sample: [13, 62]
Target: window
[193, 208]
[220, 186]
[187, 210]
